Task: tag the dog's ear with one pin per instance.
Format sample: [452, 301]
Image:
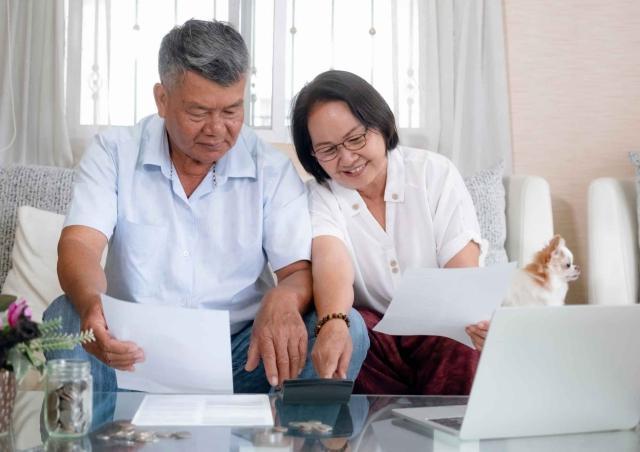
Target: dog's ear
[556, 244]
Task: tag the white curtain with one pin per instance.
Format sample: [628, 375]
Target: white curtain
[463, 72]
[33, 128]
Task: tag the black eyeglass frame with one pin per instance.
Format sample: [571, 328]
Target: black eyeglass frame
[333, 149]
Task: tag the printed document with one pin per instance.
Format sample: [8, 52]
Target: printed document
[443, 301]
[186, 350]
[221, 410]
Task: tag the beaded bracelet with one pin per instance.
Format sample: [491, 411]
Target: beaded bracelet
[326, 318]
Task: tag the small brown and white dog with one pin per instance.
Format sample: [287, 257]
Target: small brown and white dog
[545, 281]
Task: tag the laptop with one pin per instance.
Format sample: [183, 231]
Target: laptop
[549, 371]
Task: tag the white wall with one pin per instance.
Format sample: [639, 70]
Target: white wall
[574, 74]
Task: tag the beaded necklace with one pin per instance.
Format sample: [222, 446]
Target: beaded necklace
[214, 181]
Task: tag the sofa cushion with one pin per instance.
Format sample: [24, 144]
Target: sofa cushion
[42, 187]
[33, 274]
[488, 195]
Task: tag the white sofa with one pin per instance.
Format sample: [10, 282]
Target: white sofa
[528, 219]
[612, 241]
[529, 216]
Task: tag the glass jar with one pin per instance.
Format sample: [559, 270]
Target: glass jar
[68, 397]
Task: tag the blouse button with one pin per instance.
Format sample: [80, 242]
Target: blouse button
[393, 263]
[355, 206]
[394, 269]
[394, 196]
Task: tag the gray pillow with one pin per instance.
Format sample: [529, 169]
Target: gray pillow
[635, 159]
[42, 187]
[488, 195]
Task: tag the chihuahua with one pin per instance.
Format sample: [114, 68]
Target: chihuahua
[545, 281]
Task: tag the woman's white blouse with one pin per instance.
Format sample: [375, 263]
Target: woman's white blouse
[429, 218]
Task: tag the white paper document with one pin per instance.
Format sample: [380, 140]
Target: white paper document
[191, 410]
[186, 350]
[443, 301]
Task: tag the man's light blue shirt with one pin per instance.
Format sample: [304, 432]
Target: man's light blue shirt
[206, 251]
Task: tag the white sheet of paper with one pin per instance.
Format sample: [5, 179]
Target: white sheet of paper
[186, 350]
[443, 301]
[191, 410]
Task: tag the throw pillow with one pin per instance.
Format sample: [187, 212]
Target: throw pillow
[33, 274]
[635, 159]
[488, 195]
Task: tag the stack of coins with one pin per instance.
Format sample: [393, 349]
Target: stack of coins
[311, 427]
[124, 433]
[69, 408]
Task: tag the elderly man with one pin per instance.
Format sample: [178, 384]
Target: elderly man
[193, 205]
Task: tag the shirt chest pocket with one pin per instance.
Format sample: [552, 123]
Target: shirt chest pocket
[141, 250]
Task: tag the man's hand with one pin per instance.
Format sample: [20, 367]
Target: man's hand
[279, 337]
[478, 333]
[331, 353]
[121, 355]
[83, 280]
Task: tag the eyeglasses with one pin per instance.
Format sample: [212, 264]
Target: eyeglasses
[329, 152]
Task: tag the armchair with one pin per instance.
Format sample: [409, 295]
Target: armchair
[613, 242]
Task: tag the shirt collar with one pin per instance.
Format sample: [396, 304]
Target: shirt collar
[351, 200]
[394, 191]
[239, 161]
[154, 145]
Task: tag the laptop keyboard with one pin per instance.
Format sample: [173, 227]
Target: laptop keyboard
[451, 422]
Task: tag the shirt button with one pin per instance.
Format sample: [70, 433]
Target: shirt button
[395, 196]
[355, 206]
[395, 270]
[393, 263]
[185, 253]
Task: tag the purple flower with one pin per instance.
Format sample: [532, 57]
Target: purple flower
[16, 310]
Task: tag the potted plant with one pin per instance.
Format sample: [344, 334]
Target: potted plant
[22, 344]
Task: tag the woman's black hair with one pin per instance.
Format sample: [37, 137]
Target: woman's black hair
[365, 103]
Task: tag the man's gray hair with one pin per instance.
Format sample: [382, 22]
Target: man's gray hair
[212, 49]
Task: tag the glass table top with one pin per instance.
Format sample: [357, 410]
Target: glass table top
[366, 423]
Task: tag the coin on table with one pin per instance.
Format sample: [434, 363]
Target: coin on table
[323, 428]
[181, 435]
[144, 437]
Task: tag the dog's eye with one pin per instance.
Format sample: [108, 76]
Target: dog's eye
[568, 265]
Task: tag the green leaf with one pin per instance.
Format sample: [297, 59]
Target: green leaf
[50, 326]
[64, 341]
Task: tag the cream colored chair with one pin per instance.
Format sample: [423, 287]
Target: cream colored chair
[612, 242]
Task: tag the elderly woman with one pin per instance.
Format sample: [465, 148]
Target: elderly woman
[377, 209]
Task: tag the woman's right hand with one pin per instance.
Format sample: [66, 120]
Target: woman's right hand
[332, 350]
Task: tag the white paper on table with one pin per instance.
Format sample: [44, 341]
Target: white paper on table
[192, 410]
[443, 301]
[186, 350]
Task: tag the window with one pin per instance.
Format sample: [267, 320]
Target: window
[112, 73]
[119, 54]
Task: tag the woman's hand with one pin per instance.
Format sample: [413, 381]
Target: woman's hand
[332, 350]
[478, 333]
